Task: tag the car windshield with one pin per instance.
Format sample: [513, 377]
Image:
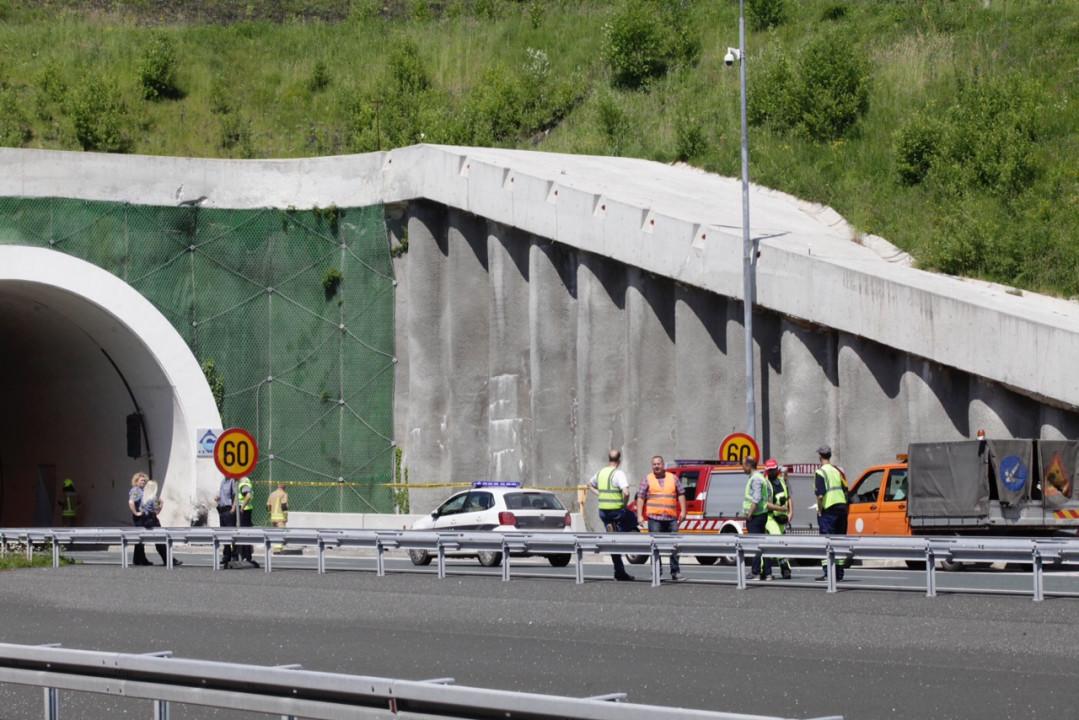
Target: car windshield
[532, 501]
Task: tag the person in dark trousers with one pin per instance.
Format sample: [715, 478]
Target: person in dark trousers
[757, 506]
[663, 497]
[831, 490]
[612, 487]
[226, 515]
[144, 511]
[245, 503]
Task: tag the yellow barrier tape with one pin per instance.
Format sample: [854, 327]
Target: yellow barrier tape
[415, 486]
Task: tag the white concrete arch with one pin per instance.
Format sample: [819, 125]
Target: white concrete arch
[80, 349]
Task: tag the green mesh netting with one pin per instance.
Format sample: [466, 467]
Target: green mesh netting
[306, 361]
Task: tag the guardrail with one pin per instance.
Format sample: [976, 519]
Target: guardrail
[288, 691]
[831, 550]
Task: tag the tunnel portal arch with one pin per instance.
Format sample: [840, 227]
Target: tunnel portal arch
[80, 351]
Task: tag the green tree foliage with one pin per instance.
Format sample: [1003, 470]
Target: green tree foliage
[646, 38]
[821, 94]
[100, 116]
[766, 14]
[15, 129]
[157, 69]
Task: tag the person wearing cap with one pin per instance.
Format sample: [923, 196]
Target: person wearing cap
[779, 519]
[831, 489]
[612, 487]
[69, 506]
[757, 505]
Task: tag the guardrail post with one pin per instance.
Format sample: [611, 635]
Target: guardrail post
[29, 550]
[215, 544]
[380, 559]
[55, 552]
[505, 561]
[123, 551]
[168, 551]
[831, 567]
[52, 704]
[267, 555]
[1039, 578]
[161, 710]
[321, 556]
[740, 563]
[656, 567]
[578, 554]
[441, 561]
[930, 571]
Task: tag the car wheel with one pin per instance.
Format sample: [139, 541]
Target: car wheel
[559, 560]
[637, 559]
[727, 531]
[419, 557]
[706, 560]
[951, 565]
[489, 558]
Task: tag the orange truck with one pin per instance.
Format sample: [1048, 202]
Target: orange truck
[970, 487]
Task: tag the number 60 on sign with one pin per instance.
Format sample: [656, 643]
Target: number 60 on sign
[236, 453]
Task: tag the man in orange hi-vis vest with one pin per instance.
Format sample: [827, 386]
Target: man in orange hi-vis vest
[664, 496]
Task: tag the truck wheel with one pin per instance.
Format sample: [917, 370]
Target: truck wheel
[951, 565]
[489, 558]
[561, 560]
[707, 560]
[727, 531]
[419, 558]
[637, 559]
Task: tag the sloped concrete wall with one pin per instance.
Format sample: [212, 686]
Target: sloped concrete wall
[525, 359]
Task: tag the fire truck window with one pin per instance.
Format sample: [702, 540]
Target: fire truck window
[869, 489]
[689, 480]
[897, 485]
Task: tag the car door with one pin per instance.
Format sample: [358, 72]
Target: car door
[474, 515]
[893, 519]
[449, 512]
[863, 516]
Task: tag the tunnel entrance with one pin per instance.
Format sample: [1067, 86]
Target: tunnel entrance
[95, 385]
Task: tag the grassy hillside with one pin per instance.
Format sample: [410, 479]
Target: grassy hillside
[951, 127]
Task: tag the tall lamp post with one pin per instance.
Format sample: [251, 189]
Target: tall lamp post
[749, 255]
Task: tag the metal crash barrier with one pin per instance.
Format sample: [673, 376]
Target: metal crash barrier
[288, 691]
[831, 550]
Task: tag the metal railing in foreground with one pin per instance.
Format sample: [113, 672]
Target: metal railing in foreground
[289, 692]
[830, 550]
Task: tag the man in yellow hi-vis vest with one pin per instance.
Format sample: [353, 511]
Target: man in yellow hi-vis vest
[245, 503]
[69, 504]
[612, 487]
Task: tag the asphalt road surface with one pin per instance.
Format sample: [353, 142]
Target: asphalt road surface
[792, 651]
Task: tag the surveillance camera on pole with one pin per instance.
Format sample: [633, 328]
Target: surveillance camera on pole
[733, 55]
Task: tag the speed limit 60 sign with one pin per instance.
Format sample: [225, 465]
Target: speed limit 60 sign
[736, 447]
[236, 453]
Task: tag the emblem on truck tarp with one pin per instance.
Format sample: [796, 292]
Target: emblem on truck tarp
[1057, 481]
[1013, 473]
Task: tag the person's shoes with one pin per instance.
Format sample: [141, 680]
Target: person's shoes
[676, 577]
[786, 573]
[624, 577]
[767, 578]
[821, 577]
[253, 563]
[177, 563]
[142, 563]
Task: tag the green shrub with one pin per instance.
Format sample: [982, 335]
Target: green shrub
[690, 139]
[215, 381]
[235, 135]
[833, 89]
[100, 116]
[645, 39]
[320, 77]
[157, 69]
[220, 100]
[833, 13]
[15, 129]
[771, 93]
[536, 11]
[917, 143]
[613, 123]
[766, 14]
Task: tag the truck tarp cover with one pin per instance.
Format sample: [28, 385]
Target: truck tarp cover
[1013, 463]
[1059, 461]
[948, 479]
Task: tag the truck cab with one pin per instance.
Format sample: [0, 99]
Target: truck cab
[878, 501]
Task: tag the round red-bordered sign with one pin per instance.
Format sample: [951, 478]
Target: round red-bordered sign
[236, 453]
[736, 447]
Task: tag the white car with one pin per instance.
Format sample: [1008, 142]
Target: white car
[501, 507]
